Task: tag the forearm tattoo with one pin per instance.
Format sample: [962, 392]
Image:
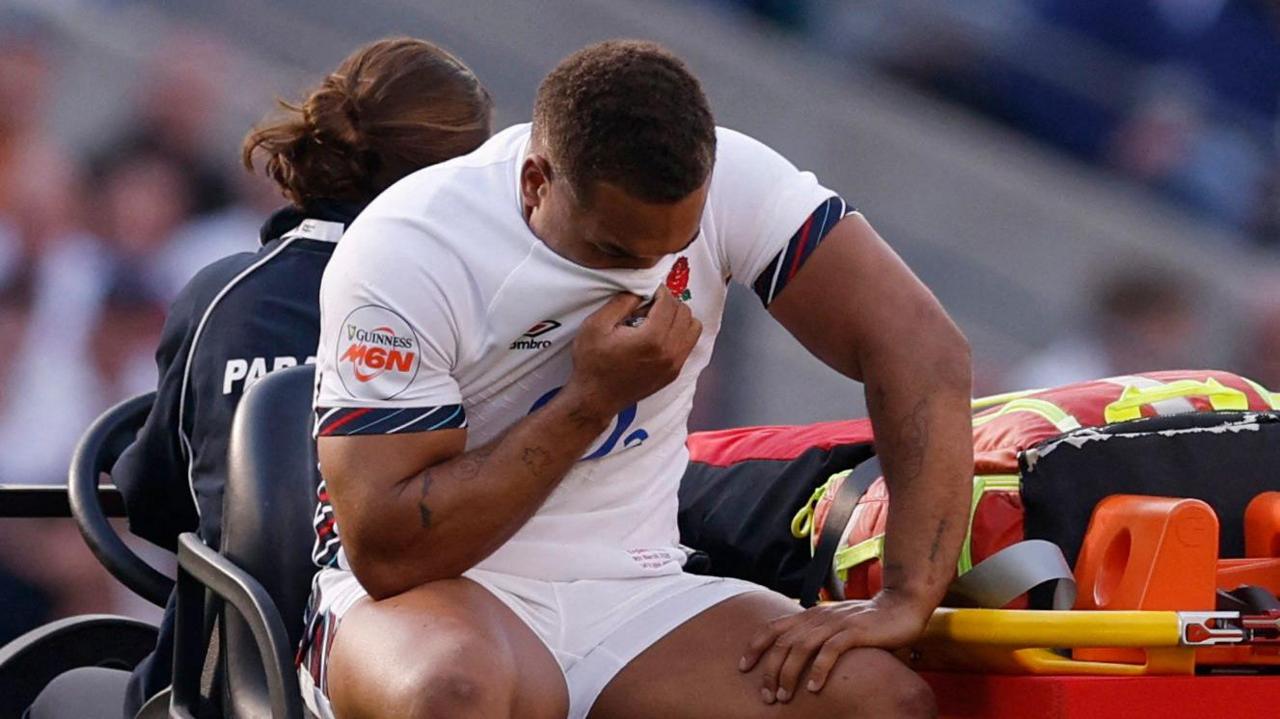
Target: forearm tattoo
[579, 418]
[465, 467]
[911, 441]
[469, 465]
[536, 460]
[905, 442]
[893, 573]
[937, 539]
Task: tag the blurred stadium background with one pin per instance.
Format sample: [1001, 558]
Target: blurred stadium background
[1092, 187]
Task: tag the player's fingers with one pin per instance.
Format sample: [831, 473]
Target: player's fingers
[764, 639]
[773, 660]
[663, 310]
[681, 316]
[798, 658]
[828, 653]
[612, 313]
[689, 336]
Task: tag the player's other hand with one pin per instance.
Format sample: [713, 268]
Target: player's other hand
[798, 652]
[616, 364]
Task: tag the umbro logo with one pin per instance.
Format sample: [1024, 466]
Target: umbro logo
[529, 341]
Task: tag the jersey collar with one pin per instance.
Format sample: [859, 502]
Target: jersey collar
[323, 220]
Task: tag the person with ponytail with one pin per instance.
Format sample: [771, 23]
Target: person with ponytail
[391, 108]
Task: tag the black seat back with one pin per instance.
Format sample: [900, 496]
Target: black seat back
[267, 509]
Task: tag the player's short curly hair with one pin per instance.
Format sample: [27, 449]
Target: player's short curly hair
[629, 113]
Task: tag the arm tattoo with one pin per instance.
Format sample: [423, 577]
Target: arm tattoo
[536, 460]
[465, 467]
[469, 465]
[424, 512]
[580, 418]
[937, 539]
[893, 574]
[910, 440]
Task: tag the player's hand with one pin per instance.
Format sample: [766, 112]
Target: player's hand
[815, 639]
[616, 364]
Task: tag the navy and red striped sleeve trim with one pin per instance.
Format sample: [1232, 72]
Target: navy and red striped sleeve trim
[340, 421]
[802, 244]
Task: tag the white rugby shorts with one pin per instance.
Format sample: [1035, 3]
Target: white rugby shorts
[592, 628]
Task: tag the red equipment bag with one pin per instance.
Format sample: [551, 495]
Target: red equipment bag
[740, 482]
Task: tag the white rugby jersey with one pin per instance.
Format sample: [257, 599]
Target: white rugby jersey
[441, 308]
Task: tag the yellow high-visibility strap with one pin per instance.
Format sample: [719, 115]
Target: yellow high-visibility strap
[1133, 399]
[1050, 411]
[982, 485]
[873, 547]
[802, 523]
[995, 399]
[1271, 398]
[864, 551]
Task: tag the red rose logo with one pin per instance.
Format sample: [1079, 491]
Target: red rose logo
[678, 280]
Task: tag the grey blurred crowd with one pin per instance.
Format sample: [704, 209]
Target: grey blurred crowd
[1180, 95]
[94, 245]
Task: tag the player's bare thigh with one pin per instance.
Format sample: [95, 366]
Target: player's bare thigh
[693, 672]
[448, 648]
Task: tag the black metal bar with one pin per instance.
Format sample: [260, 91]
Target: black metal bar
[189, 644]
[50, 500]
[199, 567]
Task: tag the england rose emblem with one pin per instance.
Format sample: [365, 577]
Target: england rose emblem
[678, 280]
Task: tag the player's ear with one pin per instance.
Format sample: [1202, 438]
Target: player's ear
[535, 178]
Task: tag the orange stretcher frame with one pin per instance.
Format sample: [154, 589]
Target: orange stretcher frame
[1147, 564]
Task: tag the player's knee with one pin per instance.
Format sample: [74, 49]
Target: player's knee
[466, 682]
[873, 683]
[455, 692]
[914, 699]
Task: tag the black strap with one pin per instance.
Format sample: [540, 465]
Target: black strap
[847, 496]
[1247, 599]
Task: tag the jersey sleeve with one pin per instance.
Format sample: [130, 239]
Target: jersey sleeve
[392, 305]
[768, 215]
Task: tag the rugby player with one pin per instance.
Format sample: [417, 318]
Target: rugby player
[508, 350]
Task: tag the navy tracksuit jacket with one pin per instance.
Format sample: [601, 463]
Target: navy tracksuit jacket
[238, 319]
